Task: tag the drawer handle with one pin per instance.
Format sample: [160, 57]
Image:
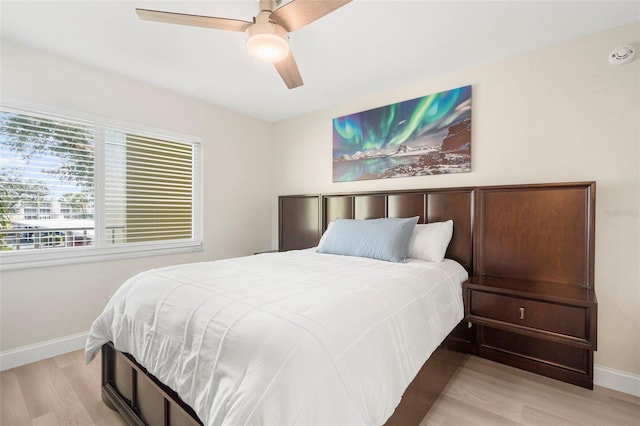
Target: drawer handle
[521, 313]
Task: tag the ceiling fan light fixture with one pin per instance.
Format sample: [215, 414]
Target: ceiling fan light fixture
[267, 42]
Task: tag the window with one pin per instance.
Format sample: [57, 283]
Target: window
[75, 189]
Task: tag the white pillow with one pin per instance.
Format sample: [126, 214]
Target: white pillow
[430, 241]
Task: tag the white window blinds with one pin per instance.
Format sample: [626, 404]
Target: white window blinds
[67, 184]
[149, 193]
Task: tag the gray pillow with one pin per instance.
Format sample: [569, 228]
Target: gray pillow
[382, 239]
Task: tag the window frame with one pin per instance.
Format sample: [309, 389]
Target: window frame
[71, 255]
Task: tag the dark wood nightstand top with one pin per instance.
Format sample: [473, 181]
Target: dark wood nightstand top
[541, 290]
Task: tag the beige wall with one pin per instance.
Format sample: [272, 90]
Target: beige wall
[560, 113]
[48, 303]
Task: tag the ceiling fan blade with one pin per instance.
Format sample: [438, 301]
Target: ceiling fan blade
[288, 70]
[299, 13]
[193, 20]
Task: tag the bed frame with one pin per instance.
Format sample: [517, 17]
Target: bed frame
[142, 399]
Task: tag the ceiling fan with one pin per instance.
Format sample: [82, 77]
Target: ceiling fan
[268, 32]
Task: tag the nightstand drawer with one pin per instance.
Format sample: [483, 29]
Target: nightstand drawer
[552, 317]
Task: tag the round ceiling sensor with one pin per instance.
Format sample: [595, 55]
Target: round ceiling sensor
[621, 55]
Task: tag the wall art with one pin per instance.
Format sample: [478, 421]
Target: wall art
[423, 136]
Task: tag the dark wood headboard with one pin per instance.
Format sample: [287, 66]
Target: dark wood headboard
[303, 218]
[541, 232]
[536, 232]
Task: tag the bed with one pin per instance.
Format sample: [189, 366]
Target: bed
[324, 371]
[286, 338]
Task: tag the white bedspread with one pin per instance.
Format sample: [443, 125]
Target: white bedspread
[285, 338]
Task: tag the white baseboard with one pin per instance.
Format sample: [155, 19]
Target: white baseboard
[602, 376]
[39, 351]
[616, 380]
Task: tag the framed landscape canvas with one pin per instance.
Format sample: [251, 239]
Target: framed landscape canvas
[422, 136]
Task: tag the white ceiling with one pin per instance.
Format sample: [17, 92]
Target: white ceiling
[362, 48]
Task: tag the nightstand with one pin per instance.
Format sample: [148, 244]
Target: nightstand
[546, 328]
[265, 251]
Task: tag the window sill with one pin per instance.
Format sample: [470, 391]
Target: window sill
[68, 256]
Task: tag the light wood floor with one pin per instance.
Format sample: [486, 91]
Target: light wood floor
[487, 393]
[57, 391]
[65, 391]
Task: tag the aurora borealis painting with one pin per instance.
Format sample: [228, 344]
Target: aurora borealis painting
[422, 136]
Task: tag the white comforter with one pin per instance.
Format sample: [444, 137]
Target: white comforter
[287, 338]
